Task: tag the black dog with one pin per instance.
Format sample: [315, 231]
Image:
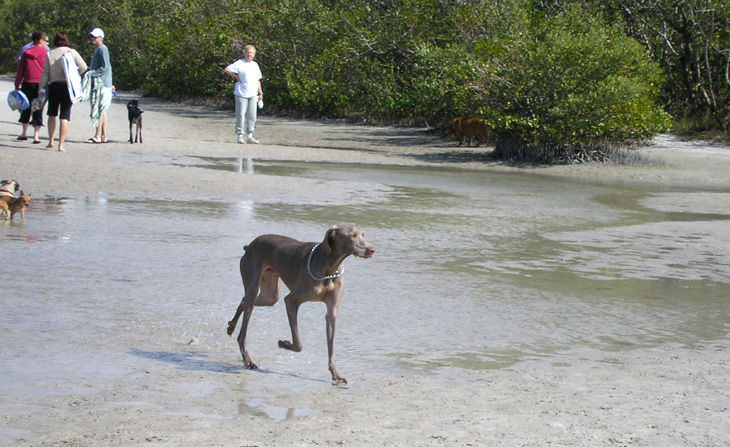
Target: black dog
[135, 117]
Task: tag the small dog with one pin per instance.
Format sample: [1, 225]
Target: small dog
[464, 127]
[8, 188]
[19, 205]
[135, 117]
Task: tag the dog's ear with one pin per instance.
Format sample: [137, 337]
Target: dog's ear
[329, 239]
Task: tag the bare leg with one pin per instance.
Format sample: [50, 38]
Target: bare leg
[25, 130]
[51, 130]
[62, 135]
[36, 133]
[100, 134]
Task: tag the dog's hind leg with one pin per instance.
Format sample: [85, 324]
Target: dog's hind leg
[250, 281]
[253, 274]
[139, 128]
[248, 305]
[245, 308]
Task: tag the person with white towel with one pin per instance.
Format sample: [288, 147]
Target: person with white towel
[54, 77]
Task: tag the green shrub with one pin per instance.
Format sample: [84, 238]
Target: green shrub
[571, 79]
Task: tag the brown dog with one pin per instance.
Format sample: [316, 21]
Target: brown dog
[5, 202]
[464, 127]
[18, 206]
[311, 271]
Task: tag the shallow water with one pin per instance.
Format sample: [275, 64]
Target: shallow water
[473, 270]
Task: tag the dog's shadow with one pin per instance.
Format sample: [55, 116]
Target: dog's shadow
[289, 375]
[198, 361]
[188, 361]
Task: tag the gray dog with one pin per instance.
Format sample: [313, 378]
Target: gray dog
[311, 271]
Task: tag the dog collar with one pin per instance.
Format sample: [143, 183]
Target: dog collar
[309, 269]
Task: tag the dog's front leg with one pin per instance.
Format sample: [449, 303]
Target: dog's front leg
[292, 309]
[331, 321]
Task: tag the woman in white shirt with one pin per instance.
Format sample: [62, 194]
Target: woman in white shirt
[248, 93]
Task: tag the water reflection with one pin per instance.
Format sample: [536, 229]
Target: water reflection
[260, 408]
[244, 165]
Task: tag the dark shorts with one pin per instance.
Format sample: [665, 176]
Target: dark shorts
[31, 92]
[58, 97]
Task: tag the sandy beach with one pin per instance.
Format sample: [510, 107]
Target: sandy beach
[672, 394]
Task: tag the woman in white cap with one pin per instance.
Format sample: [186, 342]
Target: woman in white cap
[101, 71]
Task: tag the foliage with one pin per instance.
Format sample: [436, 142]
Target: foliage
[571, 79]
[548, 72]
[691, 41]
[75, 17]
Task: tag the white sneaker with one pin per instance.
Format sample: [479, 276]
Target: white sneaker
[250, 140]
[241, 140]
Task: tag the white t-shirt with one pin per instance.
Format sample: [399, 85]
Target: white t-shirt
[250, 75]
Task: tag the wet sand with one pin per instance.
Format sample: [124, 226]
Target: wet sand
[659, 396]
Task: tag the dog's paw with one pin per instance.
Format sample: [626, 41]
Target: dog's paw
[289, 346]
[340, 381]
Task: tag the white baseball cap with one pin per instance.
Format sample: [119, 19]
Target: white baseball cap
[97, 32]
